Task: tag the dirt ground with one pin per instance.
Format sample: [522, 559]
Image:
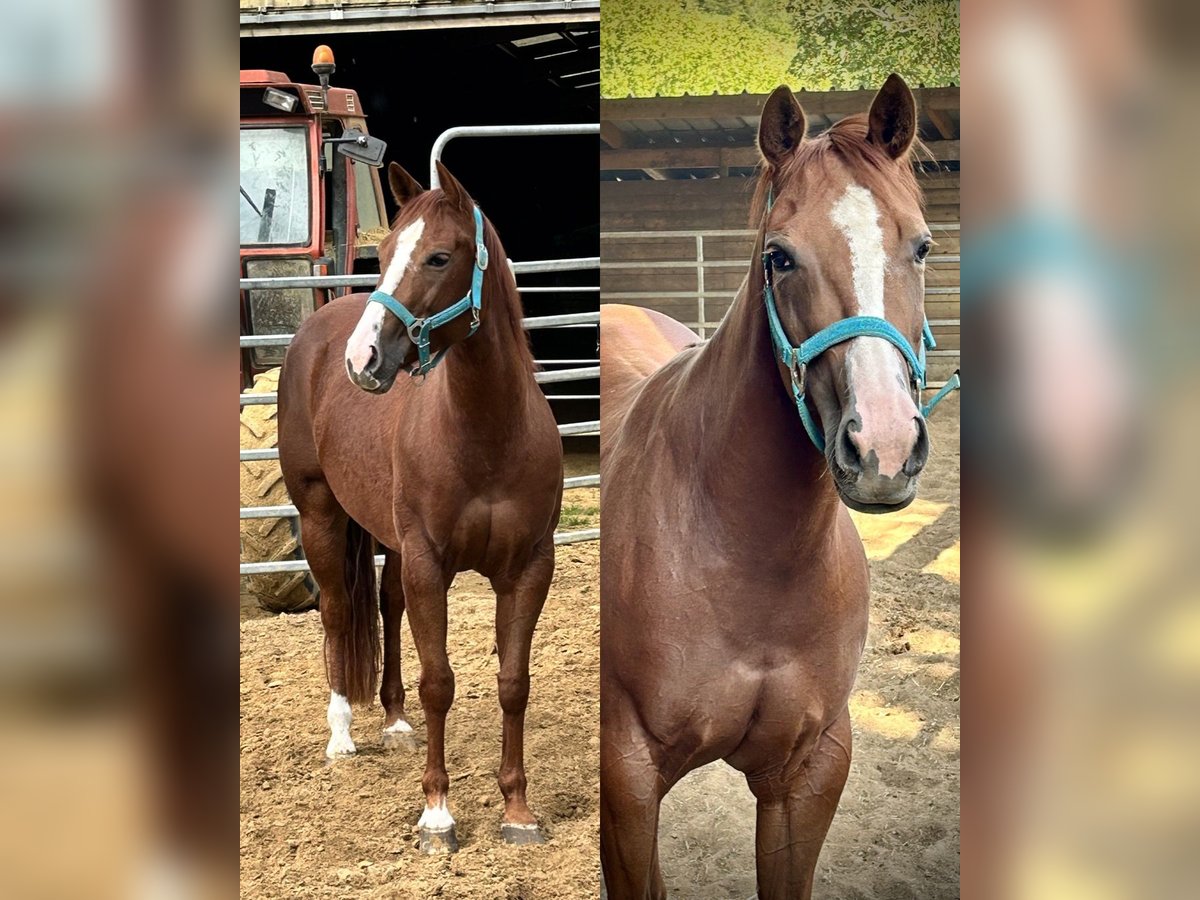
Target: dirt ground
[896, 833]
[310, 828]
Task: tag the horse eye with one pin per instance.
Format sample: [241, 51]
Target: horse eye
[438, 260]
[923, 250]
[780, 261]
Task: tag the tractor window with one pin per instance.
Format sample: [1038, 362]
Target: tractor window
[370, 217]
[274, 186]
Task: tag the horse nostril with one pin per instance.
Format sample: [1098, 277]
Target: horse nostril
[372, 361]
[848, 455]
[920, 454]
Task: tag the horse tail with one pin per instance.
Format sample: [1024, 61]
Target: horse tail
[361, 651]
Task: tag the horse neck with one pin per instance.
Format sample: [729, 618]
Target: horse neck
[755, 458]
[488, 374]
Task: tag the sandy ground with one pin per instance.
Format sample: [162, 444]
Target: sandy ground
[895, 836]
[314, 829]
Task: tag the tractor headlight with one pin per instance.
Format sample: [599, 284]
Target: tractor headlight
[277, 310]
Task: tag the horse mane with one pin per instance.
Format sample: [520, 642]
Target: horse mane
[845, 142]
[499, 283]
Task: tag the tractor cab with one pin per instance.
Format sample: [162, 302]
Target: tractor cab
[311, 202]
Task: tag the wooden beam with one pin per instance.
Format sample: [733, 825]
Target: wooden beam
[676, 158]
[827, 103]
[717, 157]
[941, 121]
[611, 134]
[945, 151]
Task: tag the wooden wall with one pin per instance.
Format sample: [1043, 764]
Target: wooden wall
[723, 204]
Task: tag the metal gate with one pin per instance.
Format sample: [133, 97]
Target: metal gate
[568, 320]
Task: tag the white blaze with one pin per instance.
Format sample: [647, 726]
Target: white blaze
[876, 373]
[857, 217]
[366, 333]
[339, 716]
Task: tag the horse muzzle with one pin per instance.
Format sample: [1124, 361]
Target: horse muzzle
[379, 368]
[855, 464]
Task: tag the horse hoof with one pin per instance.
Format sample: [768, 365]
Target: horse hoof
[399, 736]
[441, 841]
[340, 749]
[404, 741]
[521, 834]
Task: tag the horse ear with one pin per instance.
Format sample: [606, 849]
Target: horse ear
[781, 127]
[455, 192]
[893, 117]
[404, 186]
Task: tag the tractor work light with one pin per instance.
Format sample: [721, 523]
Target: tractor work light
[280, 100]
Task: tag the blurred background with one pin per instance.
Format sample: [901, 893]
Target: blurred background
[118, 589]
[1080, 615]
[118, 362]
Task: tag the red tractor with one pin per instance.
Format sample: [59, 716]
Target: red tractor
[311, 204]
[311, 201]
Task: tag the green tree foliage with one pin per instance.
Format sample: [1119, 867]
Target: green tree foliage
[675, 47]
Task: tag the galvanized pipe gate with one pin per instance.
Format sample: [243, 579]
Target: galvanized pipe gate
[546, 377]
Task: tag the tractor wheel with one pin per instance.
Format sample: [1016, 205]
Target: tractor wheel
[268, 540]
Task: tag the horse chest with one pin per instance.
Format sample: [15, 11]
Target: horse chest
[768, 654]
[490, 532]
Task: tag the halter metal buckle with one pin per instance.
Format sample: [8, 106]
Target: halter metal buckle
[798, 372]
[416, 331]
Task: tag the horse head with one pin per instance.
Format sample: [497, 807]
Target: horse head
[428, 296]
[844, 243]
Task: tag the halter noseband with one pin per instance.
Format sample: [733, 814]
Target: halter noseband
[796, 359]
[419, 329]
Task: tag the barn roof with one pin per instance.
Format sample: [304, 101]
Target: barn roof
[698, 137]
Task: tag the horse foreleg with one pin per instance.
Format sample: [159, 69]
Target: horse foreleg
[425, 594]
[397, 733]
[630, 798]
[519, 602]
[794, 812]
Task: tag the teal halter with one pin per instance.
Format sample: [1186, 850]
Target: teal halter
[796, 359]
[419, 329]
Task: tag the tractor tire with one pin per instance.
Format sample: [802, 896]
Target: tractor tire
[268, 540]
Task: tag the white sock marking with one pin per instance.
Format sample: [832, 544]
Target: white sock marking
[366, 333]
[398, 727]
[436, 818]
[876, 373]
[339, 717]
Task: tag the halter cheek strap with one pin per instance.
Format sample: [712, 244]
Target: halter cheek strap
[796, 359]
[420, 328]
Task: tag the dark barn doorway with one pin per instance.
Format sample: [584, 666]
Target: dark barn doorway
[541, 192]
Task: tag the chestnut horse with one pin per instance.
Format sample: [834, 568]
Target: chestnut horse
[461, 469]
[734, 584]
